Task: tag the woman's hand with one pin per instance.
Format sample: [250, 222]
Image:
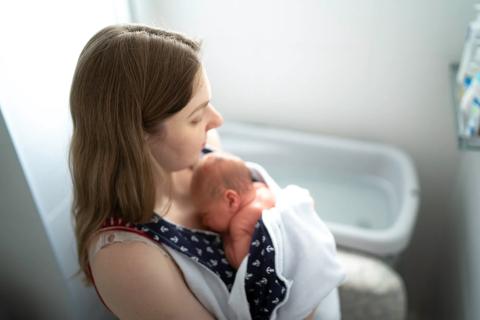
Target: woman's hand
[311, 316]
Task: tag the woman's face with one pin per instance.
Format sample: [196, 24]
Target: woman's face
[184, 134]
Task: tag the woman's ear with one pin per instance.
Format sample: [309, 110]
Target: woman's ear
[233, 200]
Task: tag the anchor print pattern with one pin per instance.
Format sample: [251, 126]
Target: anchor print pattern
[263, 287]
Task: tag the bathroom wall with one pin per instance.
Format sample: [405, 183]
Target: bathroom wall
[463, 284]
[30, 275]
[374, 70]
[40, 44]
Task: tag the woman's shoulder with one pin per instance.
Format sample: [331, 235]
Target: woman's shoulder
[138, 280]
[104, 238]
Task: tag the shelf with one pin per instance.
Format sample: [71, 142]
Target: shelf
[464, 141]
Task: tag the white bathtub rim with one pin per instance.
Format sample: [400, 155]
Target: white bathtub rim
[292, 135]
[384, 242]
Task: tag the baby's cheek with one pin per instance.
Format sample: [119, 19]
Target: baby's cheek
[205, 220]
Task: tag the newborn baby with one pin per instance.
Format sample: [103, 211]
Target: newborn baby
[229, 202]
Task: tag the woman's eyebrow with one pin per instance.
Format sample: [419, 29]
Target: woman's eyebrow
[203, 105]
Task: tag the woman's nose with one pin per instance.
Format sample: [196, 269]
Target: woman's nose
[216, 119]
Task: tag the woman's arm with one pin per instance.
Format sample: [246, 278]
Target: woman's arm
[137, 281]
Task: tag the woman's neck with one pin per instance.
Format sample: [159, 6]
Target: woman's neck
[181, 210]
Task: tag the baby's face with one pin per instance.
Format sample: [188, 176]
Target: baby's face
[216, 216]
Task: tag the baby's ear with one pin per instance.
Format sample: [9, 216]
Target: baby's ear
[233, 200]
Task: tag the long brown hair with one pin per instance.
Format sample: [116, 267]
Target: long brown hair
[128, 79]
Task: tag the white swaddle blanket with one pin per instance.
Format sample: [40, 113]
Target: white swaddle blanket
[305, 259]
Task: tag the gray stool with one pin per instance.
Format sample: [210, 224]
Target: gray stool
[372, 289]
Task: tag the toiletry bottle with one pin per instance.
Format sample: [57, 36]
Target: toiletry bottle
[472, 68]
[471, 52]
[474, 120]
[470, 106]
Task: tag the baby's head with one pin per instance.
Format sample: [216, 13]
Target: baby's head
[221, 185]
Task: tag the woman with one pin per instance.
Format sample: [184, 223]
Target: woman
[141, 111]
[140, 104]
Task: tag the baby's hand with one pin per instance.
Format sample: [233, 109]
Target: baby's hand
[264, 195]
[230, 251]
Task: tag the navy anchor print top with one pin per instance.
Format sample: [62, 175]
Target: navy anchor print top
[264, 290]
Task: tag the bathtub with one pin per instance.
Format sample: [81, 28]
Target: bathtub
[367, 193]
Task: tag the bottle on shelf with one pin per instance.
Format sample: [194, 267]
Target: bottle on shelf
[470, 63]
[470, 108]
[473, 121]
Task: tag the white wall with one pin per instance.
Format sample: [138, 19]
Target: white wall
[465, 246]
[373, 69]
[31, 282]
[40, 43]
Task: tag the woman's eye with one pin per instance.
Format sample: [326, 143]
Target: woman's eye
[195, 121]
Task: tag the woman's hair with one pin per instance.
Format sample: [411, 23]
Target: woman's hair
[217, 172]
[128, 79]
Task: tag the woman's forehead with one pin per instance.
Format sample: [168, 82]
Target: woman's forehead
[202, 88]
